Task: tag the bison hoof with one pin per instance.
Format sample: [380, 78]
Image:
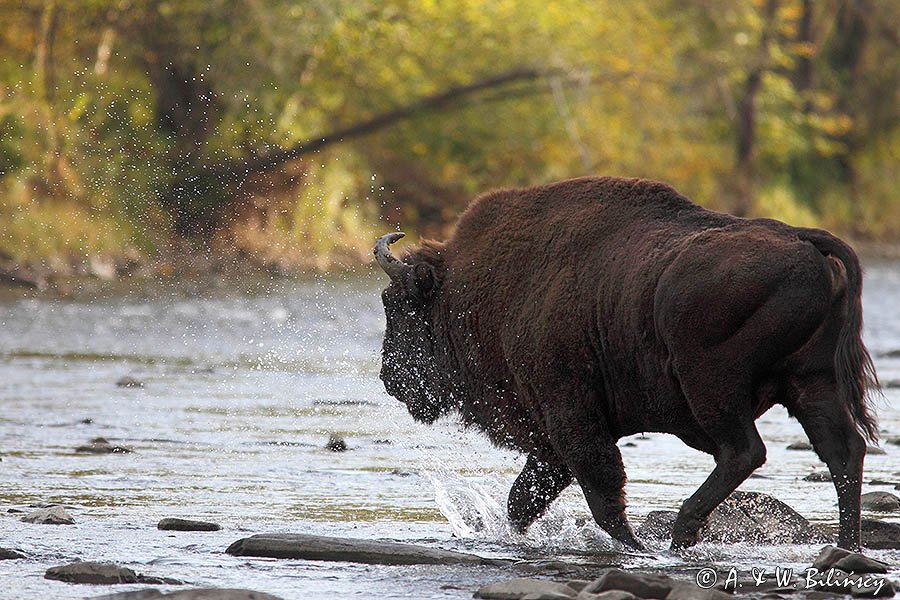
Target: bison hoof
[685, 534]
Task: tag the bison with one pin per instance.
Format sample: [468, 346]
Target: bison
[560, 318]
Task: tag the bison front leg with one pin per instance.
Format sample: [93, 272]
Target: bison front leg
[536, 487]
[591, 454]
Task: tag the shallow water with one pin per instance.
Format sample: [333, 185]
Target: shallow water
[243, 387]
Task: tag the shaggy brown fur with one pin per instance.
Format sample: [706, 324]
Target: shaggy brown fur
[559, 318]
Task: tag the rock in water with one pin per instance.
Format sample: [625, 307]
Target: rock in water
[129, 382]
[743, 517]
[7, 554]
[880, 535]
[316, 547]
[800, 446]
[102, 573]
[192, 594]
[101, 445]
[52, 515]
[880, 501]
[336, 443]
[187, 525]
[516, 589]
[818, 476]
[850, 562]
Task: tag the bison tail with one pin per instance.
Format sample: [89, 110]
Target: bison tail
[856, 377]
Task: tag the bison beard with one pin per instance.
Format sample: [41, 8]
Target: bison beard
[560, 318]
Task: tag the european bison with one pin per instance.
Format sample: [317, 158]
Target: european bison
[559, 318]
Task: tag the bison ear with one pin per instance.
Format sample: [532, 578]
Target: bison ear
[424, 280]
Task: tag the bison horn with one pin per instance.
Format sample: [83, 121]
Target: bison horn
[393, 267]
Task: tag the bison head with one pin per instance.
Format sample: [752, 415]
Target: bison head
[408, 367]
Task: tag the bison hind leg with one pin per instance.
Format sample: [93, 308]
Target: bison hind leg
[536, 487]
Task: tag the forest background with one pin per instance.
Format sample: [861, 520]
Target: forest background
[290, 134]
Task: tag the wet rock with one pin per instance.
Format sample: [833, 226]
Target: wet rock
[879, 535]
[545, 567]
[838, 558]
[800, 446]
[129, 382]
[336, 443]
[8, 554]
[880, 501]
[640, 584]
[146, 594]
[881, 482]
[192, 594]
[102, 573]
[610, 595]
[316, 547]
[690, 591]
[174, 524]
[53, 515]
[520, 588]
[875, 451]
[893, 440]
[743, 517]
[818, 476]
[101, 445]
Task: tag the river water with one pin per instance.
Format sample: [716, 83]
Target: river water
[243, 386]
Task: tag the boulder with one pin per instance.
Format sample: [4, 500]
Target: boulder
[880, 535]
[192, 594]
[8, 554]
[102, 573]
[52, 515]
[850, 562]
[743, 517]
[875, 451]
[880, 501]
[101, 445]
[610, 595]
[640, 584]
[818, 476]
[173, 524]
[520, 588]
[316, 547]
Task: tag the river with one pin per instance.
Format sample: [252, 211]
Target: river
[245, 383]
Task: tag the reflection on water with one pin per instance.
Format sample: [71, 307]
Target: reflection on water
[243, 388]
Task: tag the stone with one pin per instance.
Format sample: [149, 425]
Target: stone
[336, 443]
[219, 594]
[800, 446]
[129, 382]
[174, 524]
[545, 566]
[858, 563]
[610, 595]
[191, 594]
[880, 501]
[316, 547]
[875, 451]
[101, 445]
[520, 588]
[52, 515]
[639, 584]
[880, 535]
[749, 517]
[828, 556]
[691, 591]
[9, 554]
[103, 573]
[883, 482]
[818, 476]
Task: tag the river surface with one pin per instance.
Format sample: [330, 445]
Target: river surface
[243, 386]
